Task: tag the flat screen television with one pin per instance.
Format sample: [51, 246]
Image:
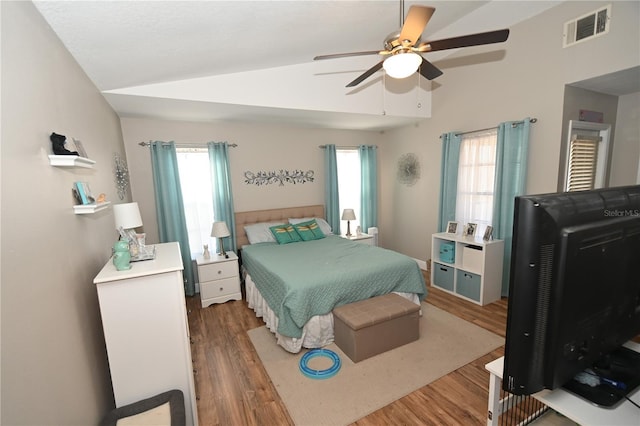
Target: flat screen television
[574, 291]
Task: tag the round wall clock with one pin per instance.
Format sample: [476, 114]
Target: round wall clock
[408, 169]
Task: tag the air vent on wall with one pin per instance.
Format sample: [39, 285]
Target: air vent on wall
[587, 26]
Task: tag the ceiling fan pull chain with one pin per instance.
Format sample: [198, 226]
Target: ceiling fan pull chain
[418, 103]
[384, 90]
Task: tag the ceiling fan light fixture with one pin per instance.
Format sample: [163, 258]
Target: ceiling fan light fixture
[402, 64]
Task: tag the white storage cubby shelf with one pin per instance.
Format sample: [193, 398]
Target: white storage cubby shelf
[467, 267]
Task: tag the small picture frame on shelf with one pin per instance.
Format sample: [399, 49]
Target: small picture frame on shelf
[470, 230]
[76, 195]
[80, 148]
[452, 227]
[488, 233]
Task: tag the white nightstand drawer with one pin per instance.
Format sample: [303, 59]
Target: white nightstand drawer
[217, 288]
[217, 271]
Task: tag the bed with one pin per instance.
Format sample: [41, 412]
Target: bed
[294, 286]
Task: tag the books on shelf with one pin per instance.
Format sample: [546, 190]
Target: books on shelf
[84, 193]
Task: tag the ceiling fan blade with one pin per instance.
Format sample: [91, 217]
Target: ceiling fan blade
[464, 41]
[428, 70]
[344, 55]
[414, 25]
[366, 74]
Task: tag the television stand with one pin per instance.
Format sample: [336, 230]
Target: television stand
[621, 365]
[564, 402]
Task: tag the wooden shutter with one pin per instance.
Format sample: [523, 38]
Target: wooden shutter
[583, 158]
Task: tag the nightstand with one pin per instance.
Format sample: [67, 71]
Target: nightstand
[362, 238]
[219, 279]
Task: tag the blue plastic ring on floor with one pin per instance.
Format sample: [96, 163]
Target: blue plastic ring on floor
[320, 374]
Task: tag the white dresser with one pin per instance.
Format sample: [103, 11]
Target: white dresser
[146, 330]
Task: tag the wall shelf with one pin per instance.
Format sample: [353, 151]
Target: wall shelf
[70, 161]
[90, 208]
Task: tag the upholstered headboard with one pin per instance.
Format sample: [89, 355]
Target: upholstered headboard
[273, 215]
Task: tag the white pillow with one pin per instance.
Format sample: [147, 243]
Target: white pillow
[323, 224]
[260, 232]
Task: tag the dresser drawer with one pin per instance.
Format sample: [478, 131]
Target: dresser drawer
[468, 285]
[443, 276]
[217, 271]
[217, 288]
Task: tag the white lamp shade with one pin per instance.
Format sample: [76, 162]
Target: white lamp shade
[220, 230]
[127, 215]
[402, 65]
[348, 214]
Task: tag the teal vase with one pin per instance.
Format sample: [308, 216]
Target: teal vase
[121, 255]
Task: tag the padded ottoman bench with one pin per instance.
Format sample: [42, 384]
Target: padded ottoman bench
[373, 326]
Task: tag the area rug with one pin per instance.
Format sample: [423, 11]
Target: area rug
[446, 343]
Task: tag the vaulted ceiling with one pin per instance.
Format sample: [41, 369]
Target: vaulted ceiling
[252, 60]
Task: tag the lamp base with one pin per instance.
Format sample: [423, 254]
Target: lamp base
[222, 252]
[348, 234]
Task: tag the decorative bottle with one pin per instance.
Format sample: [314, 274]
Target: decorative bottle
[121, 255]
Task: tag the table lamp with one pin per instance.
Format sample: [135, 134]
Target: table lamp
[348, 215]
[127, 218]
[219, 230]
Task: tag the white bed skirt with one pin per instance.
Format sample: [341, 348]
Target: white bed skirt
[316, 333]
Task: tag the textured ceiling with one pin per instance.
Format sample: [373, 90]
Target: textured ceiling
[121, 44]
[128, 43]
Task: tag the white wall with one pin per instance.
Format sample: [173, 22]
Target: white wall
[260, 148]
[54, 365]
[626, 148]
[525, 81]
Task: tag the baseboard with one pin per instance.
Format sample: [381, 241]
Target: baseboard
[422, 264]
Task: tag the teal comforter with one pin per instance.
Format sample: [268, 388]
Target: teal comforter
[307, 278]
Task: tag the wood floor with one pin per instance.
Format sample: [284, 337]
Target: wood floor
[233, 388]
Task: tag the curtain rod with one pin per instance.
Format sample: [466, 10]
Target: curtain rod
[514, 124]
[346, 147]
[186, 145]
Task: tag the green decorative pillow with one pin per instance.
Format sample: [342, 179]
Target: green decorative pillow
[309, 230]
[285, 233]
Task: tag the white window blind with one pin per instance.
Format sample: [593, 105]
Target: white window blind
[583, 160]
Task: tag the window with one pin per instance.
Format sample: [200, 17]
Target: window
[476, 176]
[583, 158]
[195, 182]
[348, 161]
[586, 156]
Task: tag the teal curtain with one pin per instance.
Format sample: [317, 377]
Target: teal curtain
[368, 186]
[172, 225]
[331, 198]
[448, 178]
[511, 174]
[222, 194]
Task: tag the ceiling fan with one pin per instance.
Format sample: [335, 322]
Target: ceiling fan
[403, 50]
